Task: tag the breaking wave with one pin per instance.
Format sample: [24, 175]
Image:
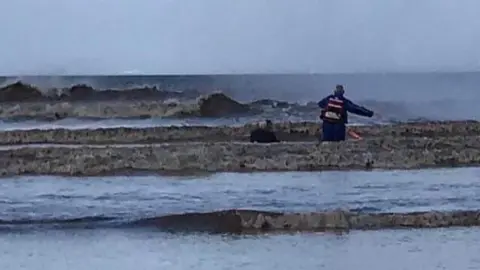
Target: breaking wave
[253, 221]
[23, 102]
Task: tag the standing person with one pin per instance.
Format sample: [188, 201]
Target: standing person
[335, 116]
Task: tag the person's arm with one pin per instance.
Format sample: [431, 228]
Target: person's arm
[357, 109]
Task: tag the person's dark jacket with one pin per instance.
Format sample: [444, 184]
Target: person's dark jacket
[337, 131]
[349, 106]
[261, 135]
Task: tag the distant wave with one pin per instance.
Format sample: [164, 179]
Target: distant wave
[253, 221]
[21, 92]
[151, 102]
[83, 103]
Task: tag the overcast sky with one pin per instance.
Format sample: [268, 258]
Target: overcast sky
[237, 36]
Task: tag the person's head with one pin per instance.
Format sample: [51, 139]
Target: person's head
[339, 90]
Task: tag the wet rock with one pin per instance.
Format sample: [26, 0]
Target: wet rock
[287, 131]
[196, 157]
[218, 105]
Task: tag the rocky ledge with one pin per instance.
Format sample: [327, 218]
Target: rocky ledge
[251, 221]
[306, 131]
[185, 158]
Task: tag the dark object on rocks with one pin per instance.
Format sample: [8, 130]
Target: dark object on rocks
[264, 134]
[261, 135]
[369, 165]
[19, 92]
[218, 105]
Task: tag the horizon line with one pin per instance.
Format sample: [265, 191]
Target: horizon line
[238, 74]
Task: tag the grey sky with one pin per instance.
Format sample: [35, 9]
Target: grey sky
[230, 36]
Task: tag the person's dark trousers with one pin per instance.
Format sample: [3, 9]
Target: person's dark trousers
[333, 132]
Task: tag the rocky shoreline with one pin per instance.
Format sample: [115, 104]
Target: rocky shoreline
[251, 221]
[287, 131]
[201, 157]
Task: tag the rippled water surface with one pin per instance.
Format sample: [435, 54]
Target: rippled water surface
[111, 249]
[33, 236]
[137, 196]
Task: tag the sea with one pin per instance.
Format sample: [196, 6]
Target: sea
[395, 97]
[52, 222]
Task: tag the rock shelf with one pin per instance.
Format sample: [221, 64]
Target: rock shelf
[305, 131]
[186, 158]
